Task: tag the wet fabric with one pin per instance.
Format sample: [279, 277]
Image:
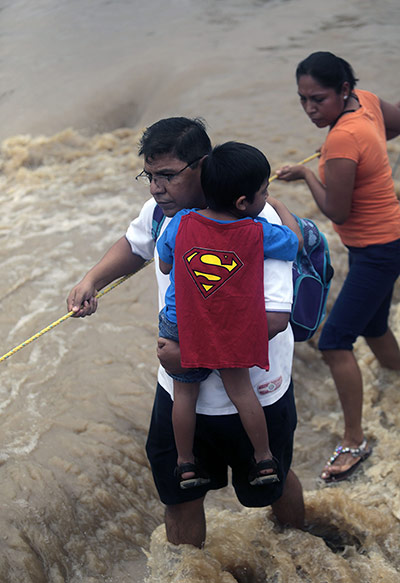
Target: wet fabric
[362, 307]
[221, 442]
[220, 293]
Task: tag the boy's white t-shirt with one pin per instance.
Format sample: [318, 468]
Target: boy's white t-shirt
[270, 385]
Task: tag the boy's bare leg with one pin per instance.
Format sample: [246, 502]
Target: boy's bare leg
[240, 391]
[186, 523]
[289, 509]
[184, 421]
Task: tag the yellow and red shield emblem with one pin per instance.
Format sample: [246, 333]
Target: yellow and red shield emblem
[210, 269]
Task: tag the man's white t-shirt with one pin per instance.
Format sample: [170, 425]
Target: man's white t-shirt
[270, 385]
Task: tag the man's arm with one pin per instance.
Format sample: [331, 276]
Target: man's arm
[277, 322]
[117, 262]
[169, 355]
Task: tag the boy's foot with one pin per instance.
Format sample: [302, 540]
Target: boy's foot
[257, 475]
[196, 475]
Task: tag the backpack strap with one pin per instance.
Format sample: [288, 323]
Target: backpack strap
[312, 273]
[157, 222]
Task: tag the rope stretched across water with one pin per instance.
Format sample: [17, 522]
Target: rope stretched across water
[104, 291]
[71, 313]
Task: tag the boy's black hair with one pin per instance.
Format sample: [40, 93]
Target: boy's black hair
[232, 170]
[328, 70]
[184, 138]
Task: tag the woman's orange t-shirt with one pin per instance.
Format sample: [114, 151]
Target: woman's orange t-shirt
[375, 211]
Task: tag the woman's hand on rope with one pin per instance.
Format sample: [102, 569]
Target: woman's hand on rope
[82, 299]
[289, 173]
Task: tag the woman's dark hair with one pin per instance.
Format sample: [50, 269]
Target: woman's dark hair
[184, 138]
[328, 70]
[232, 170]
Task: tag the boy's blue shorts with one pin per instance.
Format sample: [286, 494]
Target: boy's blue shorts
[220, 441]
[168, 329]
[363, 304]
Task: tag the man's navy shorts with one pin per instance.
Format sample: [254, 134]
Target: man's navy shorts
[220, 441]
[363, 304]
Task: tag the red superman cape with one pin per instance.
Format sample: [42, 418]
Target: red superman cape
[219, 291]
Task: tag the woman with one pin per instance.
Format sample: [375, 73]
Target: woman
[356, 192]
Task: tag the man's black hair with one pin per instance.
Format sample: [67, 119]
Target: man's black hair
[232, 170]
[181, 137]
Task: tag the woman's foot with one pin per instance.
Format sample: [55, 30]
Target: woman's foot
[344, 461]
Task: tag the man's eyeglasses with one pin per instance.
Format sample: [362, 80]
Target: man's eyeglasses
[161, 179]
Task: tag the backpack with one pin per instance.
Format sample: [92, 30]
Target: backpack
[312, 273]
[157, 222]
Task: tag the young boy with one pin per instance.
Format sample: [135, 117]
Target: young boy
[216, 301]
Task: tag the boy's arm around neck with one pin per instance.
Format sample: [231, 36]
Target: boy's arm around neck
[287, 218]
[165, 268]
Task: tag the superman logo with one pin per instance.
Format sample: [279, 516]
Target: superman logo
[210, 269]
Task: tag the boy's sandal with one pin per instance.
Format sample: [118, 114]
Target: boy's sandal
[362, 452]
[200, 477]
[257, 478]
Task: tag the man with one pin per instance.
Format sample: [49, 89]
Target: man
[173, 149]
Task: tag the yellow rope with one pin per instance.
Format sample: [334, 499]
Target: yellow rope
[71, 313]
[316, 155]
[105, 290]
